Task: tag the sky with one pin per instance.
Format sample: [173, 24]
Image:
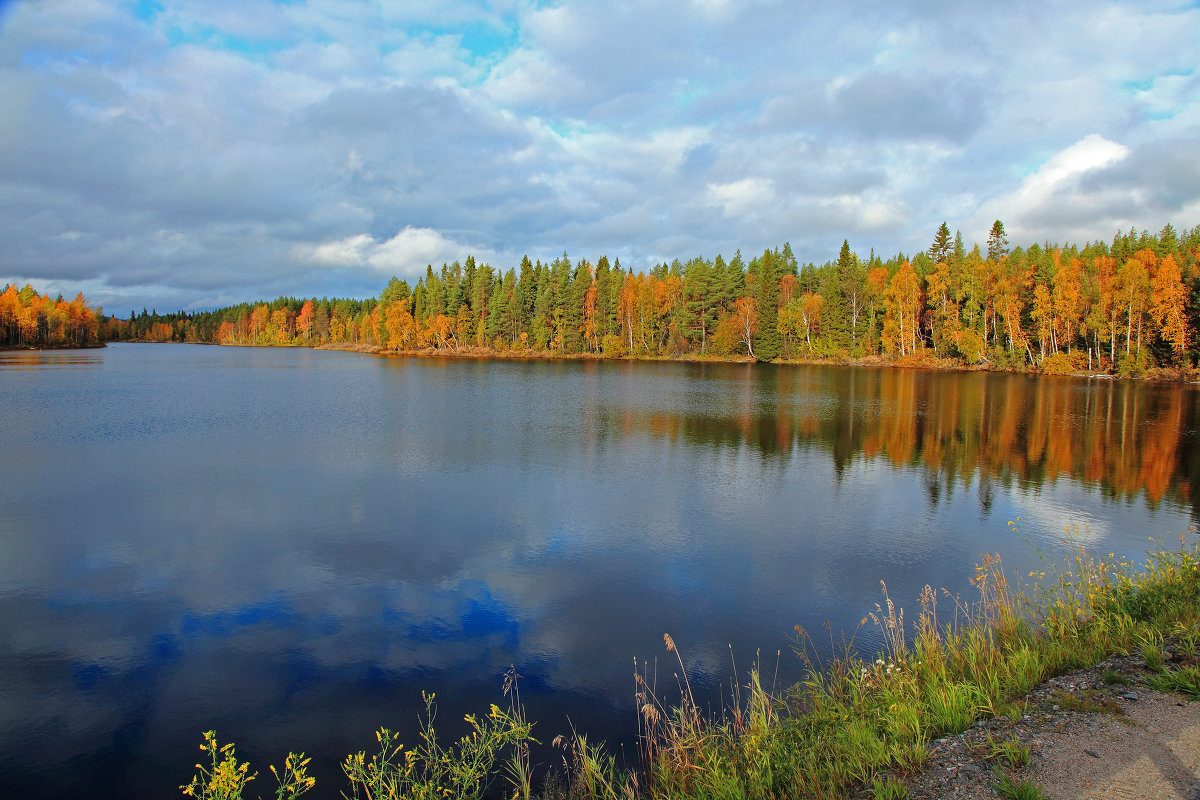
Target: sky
[188, 155]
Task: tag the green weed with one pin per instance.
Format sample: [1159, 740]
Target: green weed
[1085, 702]
[1153, 656]
[888, 789]
[1111, 676]
[1013, 789]
[1185, 680]
[430, 769]
[226, 778]
[1010, 751]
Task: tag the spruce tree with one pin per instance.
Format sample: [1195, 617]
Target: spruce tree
[766, 339]
[573, 311]
[939, 251]
[699, 302]
[526, 292]
[603, 297]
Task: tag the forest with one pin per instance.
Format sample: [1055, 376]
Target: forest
[1124, 306]
[29, 319]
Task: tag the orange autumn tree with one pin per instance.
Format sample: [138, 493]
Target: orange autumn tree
[901, 304]
[30, 319]
[1168, 307]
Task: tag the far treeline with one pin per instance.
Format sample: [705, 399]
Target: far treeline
[1123, 306]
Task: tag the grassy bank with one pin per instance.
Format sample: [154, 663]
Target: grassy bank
[837, 730]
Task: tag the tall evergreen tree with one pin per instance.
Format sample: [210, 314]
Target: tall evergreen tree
[997, 244]
[788, 265]
[767, 341]
[604, 297]
[526, 292]
[699, 304]
[939, 251]
[735, 279]
[574, 312]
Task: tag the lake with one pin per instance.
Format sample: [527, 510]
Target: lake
[289, 545]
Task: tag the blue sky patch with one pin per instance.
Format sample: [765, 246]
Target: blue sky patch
[147, 10]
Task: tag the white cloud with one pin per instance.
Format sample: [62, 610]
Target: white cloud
[405, 254]
[1057, 202]
[1091, 152]
[741, 197]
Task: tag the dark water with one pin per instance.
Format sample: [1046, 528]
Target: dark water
[287, 545]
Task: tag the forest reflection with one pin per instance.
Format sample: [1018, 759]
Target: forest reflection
[1121, 437]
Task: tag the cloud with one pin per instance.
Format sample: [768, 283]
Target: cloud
[1090, 153]
[739, 197]
[406, 254]
[281, 147]
[1097, 186]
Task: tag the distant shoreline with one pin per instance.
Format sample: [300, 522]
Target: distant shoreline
[1164, 375]
[11, 348]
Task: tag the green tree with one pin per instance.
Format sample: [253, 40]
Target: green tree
[939, 251]
[997, 244]
[700, 311]
[396, 289]
[767, 339]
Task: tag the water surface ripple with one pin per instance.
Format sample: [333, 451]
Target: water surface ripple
[289, 545]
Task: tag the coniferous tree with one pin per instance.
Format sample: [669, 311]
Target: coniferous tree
[574, 312]
[699, 306]
[997, 245]
[939, 251]
[735, 279]
[604, 297]
[767, 340]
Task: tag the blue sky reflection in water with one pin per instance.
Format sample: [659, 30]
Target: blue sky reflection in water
[288, 545]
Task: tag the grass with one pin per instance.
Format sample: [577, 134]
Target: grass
[1111, 676]
[888, 789]
[1085, 702]
[851, 723]
[1153, 656]
[1011, 751]
[1184, 680]
[1017, 789]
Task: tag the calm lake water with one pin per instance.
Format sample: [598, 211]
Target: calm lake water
[289, 545]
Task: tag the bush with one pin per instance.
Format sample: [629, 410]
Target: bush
[1132, 365]
[1057, 364]
[969, 346]
[612, 346]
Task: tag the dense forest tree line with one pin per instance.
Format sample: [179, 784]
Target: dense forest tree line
[29, 319]
[1124, 305]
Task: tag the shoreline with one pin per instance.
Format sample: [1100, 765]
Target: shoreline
[34, 348]
[932, 364]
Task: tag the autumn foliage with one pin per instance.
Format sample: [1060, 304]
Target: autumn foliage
[29, 319]
[1121, 306]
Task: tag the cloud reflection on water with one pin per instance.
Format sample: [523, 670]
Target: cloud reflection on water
[290, 554]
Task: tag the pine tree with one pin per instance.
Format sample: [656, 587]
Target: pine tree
[997, 242]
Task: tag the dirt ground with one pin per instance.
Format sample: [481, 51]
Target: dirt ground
[1088, 738]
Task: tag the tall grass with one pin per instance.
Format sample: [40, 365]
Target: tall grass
[849, 718]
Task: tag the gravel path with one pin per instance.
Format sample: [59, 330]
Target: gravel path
[1087, 738]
